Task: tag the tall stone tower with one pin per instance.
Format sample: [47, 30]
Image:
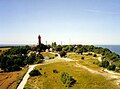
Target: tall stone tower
[39, 40]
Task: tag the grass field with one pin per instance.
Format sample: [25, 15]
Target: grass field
[10, 80]
[50, 80]
[3, 50]
[48, 54]
[88, 61]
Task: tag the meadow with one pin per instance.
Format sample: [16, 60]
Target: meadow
[84, 79]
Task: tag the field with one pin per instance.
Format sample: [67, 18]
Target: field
[11, 80]
[50, 80]
[88, 60]
[48, 54]
[3, 50]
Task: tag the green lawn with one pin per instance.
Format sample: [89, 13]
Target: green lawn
[50, 80]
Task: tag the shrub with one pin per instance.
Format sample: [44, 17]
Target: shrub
[55, 71]
[62, 53]
[82, 58]
[104, 64]
[94, 55]
[89, 54]
[39, 61]
[111, 67]
[16, 68]
[13, 68]
[68, 80]
[56, 55]
[35, 72]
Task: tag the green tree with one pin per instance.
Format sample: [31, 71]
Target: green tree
[58, 48]
[35, 72]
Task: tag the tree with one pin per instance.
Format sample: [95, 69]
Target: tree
[39, 58]
[18, 61]
[58, 48]
[79, 51]
[54, 44]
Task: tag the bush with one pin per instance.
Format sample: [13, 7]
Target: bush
[39, 61]
[89, 54]
[35, 72]
[62, 53]
[68, 80]
[82, 58]
[94, 55]
[111, 67]
[55, 71]
[104, 64]
[56, 55]
[16, 68]
[13, 68]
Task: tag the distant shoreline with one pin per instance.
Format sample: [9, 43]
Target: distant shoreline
[113, 48]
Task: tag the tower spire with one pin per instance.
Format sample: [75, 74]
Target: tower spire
[39, 40]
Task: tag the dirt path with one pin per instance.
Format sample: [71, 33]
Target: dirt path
[25, 78]
[110, 75]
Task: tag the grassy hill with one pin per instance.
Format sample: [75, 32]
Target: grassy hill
[84, 79]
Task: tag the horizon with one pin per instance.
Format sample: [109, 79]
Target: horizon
[95, 22]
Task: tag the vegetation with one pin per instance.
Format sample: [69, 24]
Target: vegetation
[67, 79]
[48, 54]
[84, 79]
[55, 71]
[62, 53]
[111, 67]
[109, 57]
[16, 57]
[35, 72]
[104, 63]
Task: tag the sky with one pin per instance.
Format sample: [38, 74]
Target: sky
[62, 21]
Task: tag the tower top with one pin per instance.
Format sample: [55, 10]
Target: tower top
[39, 36]
[39, 40]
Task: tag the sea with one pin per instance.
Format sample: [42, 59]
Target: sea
[113, 48]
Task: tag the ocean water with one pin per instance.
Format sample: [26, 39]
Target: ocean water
[114, 48]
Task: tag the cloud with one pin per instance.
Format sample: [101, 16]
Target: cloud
[102, 12]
